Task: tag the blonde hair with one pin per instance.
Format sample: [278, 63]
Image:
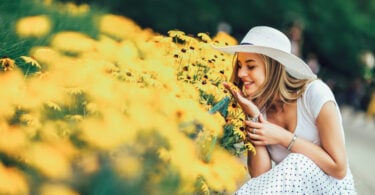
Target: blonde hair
[278, 84]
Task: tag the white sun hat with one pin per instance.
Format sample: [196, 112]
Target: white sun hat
[274, 44]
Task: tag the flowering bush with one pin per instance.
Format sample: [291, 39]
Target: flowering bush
[127, 111]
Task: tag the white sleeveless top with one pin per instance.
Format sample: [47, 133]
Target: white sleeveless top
[317, 93]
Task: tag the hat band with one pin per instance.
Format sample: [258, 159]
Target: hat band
[245, 43]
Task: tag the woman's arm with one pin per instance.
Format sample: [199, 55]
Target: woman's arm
[330, 157]
[259, 162]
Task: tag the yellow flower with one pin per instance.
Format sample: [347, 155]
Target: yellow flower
[127, 51]
[106, 48]
[56, 189]
[33, 26]
[91, 107]
[111, 132]
[115, 91]
[75, 42]
[219, 95]
[88, 162]
[183, 154]
[119, 27]
[164, 154]
[53, 105]
[234, 109]
[74, 9]
[226, 173]
[250, 147]
[7, 64]
[128, 166]
[12, 92]
[224, 39]
[31, 60]
[74, 117]
[45, 55]
[12, 139]
[204, 37]
[46, 158]
[42, 91]
[12, 181]
[74, 90]
[176, 33]
[239, 130]
[31, 121]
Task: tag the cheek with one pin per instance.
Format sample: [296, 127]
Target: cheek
[261, 77]
[261, 80]
[258, 78]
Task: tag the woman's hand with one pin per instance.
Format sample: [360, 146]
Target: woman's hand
[265, 133]
[247, 105]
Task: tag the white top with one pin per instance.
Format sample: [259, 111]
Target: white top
[317, 93]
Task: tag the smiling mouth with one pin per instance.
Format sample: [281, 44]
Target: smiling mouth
[247, 84]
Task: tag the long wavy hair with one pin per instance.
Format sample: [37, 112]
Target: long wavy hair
[279, 84]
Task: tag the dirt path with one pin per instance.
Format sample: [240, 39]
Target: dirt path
[360, 143]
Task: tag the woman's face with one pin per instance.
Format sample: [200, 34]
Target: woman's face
[252, 71]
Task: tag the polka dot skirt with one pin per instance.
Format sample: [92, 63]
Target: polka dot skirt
[297, 174]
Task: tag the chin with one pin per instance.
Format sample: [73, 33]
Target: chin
[247, 92]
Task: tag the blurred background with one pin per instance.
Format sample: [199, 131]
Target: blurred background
[336, 38]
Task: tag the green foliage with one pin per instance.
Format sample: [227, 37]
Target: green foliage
[338, 32]
[221, 107]
[231, 141]
[11, 11]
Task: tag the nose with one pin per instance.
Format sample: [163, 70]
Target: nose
[242, 72]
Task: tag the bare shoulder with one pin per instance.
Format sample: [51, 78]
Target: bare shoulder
[329, 117]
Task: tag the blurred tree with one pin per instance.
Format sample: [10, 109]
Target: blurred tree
[162, 15]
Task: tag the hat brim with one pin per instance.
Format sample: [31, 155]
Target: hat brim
[293, 64]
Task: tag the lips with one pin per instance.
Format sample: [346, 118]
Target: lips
[247, 84]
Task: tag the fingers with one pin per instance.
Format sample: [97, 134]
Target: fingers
[258, 143]
[226, 85]
[255, 139]
[233, 90]
[247, 105]
[261, 119]
[251, 124]
[229, 88]
[253, 133]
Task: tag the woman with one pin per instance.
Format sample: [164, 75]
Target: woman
[294, 120]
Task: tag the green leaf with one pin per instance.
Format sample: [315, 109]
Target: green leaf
[221, 106]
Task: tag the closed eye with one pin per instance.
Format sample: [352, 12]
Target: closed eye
[251, 67]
